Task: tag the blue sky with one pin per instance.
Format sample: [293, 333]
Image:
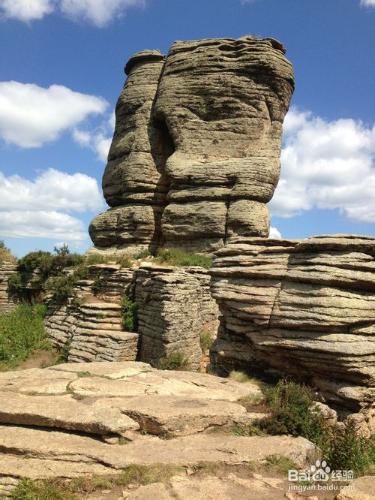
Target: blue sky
[61, 71]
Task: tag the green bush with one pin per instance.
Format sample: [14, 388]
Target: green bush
[15, 283]
[206, 341]
[129, 314]
[21, 333]
[5, 254]
[175, 361]
[42, 490]
[349, 451]
[176, 257]
[290, 412]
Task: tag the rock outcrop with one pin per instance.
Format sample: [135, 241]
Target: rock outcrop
[175, 308]
[89, 326]
[7, 302]
[195, 154]
[73, 420]
[305, 309]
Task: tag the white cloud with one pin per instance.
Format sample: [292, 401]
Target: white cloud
[38, 209]
[31, 115]
[326, 165]
[368, 3]
[26, 10]
[41, 224]
[97, 12]
[52, 190]
[98, 140]
[275, 233]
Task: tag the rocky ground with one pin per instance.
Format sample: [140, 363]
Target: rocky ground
[160, 434]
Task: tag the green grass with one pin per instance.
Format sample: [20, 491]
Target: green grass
[76, 488]
[206, 341]
[175, 361]
[290, 405]
[21, 333]
[129, 314]
[176, 257]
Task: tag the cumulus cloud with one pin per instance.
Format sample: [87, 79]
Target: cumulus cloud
[26, 10]
[98, 140]
[368, 3]
[40, 208]
[97, 12]
[31, 115]
[326, 165]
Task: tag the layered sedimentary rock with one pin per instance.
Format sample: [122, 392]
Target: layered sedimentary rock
[89, 326]
[195, 155]
[57, 423]
[7, 303]
[175, 308]
[304, 308]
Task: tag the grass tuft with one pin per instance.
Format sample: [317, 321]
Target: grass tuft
[175, 361]
[176, 257]
[21, 333]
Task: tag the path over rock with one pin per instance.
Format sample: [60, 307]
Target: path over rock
[98, 418]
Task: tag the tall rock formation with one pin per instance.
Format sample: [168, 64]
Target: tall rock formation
[195, 154]
[305, 309]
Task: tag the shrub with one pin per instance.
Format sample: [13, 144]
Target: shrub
[5, 254]
[61, 288]
[21, 333]
[176, 257]
[143, 254]
[42, 490]
[290, 412]
[129, 314]
[175, 361]
[15, 283]
[349, 451]
[206, 341]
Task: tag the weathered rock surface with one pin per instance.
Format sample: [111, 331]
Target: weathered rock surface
[65, 421]
[89, 326]
[362, 488]
[304, 308]
[6, 301]
[195, 155]
[174, 308]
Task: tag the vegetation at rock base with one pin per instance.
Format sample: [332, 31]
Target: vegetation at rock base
[21, 333]
[5, 254]
[73, 489]
[290, 406]
[176, 257]
[175, 361]
[206, 341]
[129, 311]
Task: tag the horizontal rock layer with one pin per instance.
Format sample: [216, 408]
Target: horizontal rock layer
[6, 301]
[304, 308]
[174, 308]
[195, 154]
[73, 420]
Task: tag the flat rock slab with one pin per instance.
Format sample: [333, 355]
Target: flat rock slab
[211, 487]
[38, 454]
[362, 488]
[114, 398]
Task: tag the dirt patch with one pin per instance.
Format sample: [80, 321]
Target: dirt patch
[39, 359]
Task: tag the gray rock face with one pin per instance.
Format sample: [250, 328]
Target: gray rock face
[195, 155]
[6, 271]
[174, 308]
[304, 308]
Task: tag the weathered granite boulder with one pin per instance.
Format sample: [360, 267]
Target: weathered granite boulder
[304, 308]
[195, 155]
